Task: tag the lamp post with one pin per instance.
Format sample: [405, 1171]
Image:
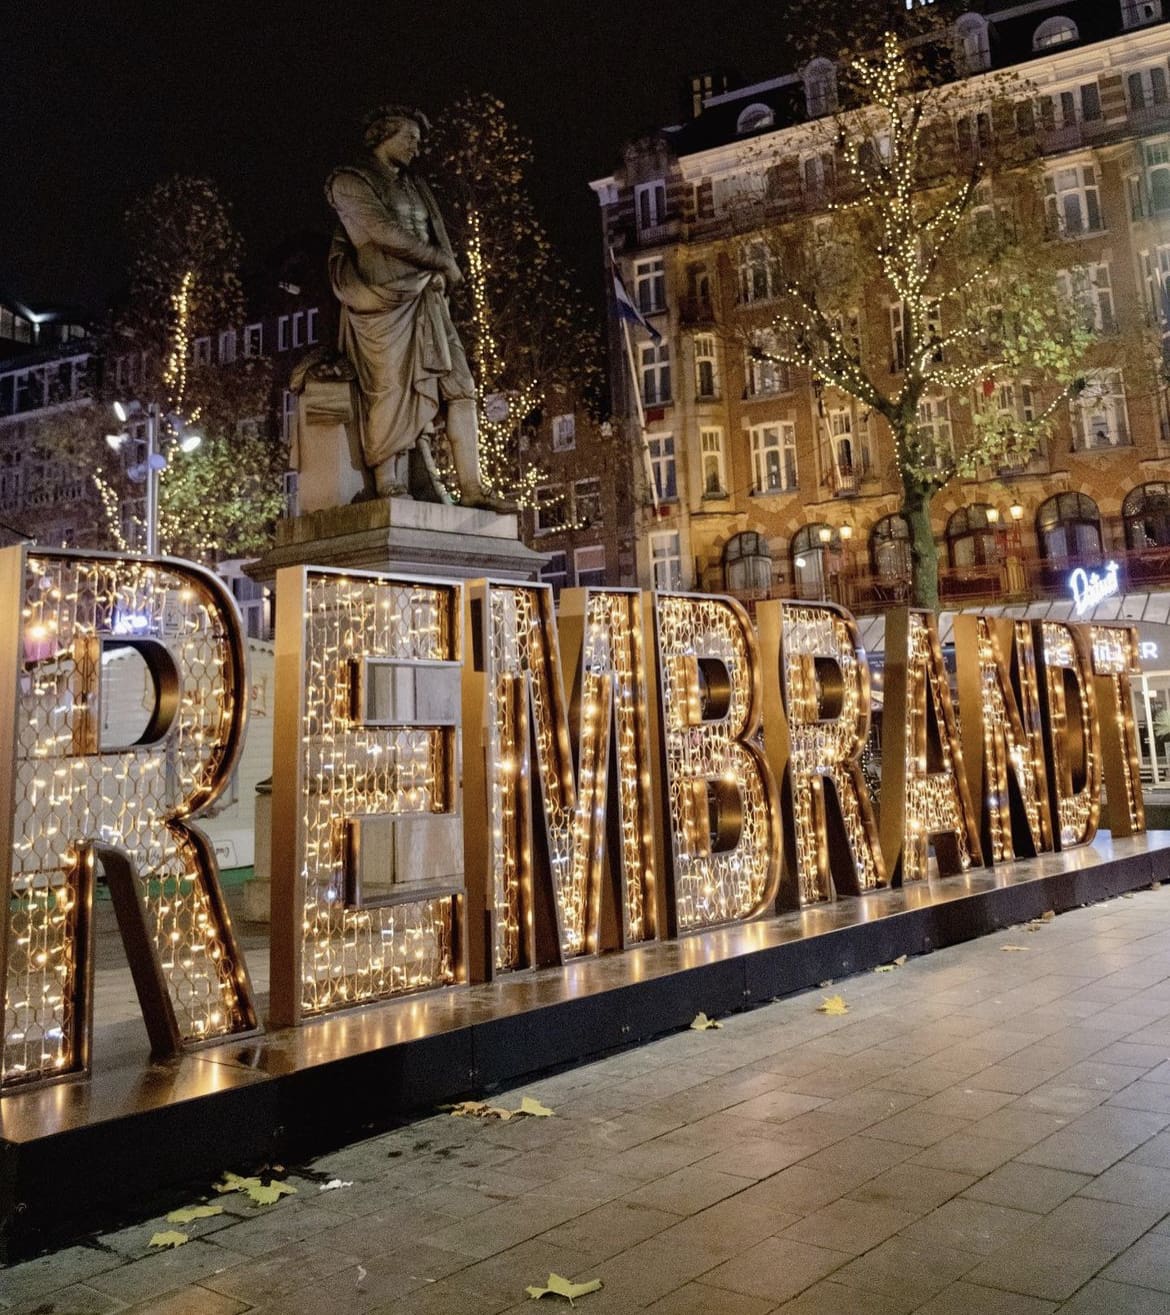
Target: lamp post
[846, 534]
[155, 463]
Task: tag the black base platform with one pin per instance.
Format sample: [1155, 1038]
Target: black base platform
[136, 1138]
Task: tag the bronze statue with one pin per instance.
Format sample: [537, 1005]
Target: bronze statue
[390, 265]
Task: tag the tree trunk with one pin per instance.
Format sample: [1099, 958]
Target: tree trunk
[923, 553]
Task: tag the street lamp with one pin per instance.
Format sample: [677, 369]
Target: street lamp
[149, 470]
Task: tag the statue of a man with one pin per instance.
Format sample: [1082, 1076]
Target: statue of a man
[390, 265]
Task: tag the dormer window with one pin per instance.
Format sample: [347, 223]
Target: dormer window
[1058, 31]
[972, 48]
[754, 118]
[820, 88]
[1135, 13]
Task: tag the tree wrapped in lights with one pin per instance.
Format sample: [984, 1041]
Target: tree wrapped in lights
[965, 257]
[222, 499]
[527, 330]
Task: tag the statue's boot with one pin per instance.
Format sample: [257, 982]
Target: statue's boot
[392, 476]
[463, 435]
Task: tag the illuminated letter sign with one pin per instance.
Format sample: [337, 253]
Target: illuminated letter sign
[1115, 661]
[721, 798]
[924, 787]
[815, 666]
[1073, 736]
[1003, 736]
[367, 847]
[1088, 588]
[76, 803]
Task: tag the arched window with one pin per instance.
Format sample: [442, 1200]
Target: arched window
[1068, 527]
[754, 118]
[1057, 31]
[972, 48]
[820, 87]
[971, 536]
[1146, 513]
[809, 565]
[889, 548]
[747, 562]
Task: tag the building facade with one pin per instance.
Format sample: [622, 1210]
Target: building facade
[768, 485]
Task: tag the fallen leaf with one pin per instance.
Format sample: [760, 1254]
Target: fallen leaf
[901, 959]
[480, 1109]
[234, 1183]
[825, 985]
[269, 1193]
[334, 1185]
[530, 1105]
[833, 1004]
[559, 1286]
[1155, 885]
[171, 1238]
[1048, 915]
[702, 1023]
[1009, 948]
[1127, 894]
[188, 1214]
[889, 967]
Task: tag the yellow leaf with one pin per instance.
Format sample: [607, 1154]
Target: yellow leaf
[171, 1238]
[530, 1105]
[192, 1212]
[702, 1023]
[1019, 949]
[269, 1193]
[833, 1004]
[559, 1286]
[234, 1183]
[480, 1109]
[900, 960]
[1048, 916]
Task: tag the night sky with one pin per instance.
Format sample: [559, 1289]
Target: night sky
[100, 100]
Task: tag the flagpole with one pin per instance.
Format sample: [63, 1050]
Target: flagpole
[647, 459]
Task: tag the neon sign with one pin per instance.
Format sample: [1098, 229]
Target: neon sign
[1089, 588]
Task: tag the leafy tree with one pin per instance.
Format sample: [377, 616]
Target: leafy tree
[222, 499]
[972, 267]
[527, 330]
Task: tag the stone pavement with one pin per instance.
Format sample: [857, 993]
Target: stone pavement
[986, 1132]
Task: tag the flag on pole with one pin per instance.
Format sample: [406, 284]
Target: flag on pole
[625, 307]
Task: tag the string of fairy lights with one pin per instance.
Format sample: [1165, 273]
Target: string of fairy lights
[1073, 732]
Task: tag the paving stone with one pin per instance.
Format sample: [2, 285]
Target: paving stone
[1051, 1274]
[776, 1269]
[1146, 1264]
[1132, 1184]
[962, 1153]
[166, 1270]
[906, 1269]
[1104, 1297]
[610, 1228]
[1027, 1186]
[699, 1299]
[829, 1298]
[850, 1226]
[190, 1301]
[687, 1191]
[76, 1299]
[974, 1226]
[913, 1187]
[1077, 1153]
[965, 1298]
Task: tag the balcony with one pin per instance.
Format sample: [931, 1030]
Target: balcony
[696, 310]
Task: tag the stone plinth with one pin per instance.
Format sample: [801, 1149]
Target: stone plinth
[398, 534]
[327, 453]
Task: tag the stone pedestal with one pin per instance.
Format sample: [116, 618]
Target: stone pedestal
[397, 534]
[327, 453]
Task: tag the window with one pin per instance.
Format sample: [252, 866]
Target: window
[773, 457]
[589, 566]
[1147, 87]
[714, 472]
[663, 465]
[586, 502]
[742, 192]
[971, 537]
[254, 340]
[747, 563]
[758, 273]
[1099, 415]
[754, 118]
[1156, 272]
[706, 373]
[972, 50]
[1086, 290]
[650, 205]
[1157, 158]
[934, 431]
[849, 457]
[1071, 200]
[282, 334]
[889, 549]
[292, 479]
[201, 351]
[552, 511]
[564, 433]
[1068, 527]
[1146, 513]
[765, 374]
[555, 572]
[973, 132]
[227, 346]
[666, 559]
[1136, 12]
[809, 566]
[1056, 31]
[298, 329]
[311, 325]
[655, 373]
[650, 285]
[1065, 109]
[820, 88]
[288, 414]
[897, 339]
[818, 174]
